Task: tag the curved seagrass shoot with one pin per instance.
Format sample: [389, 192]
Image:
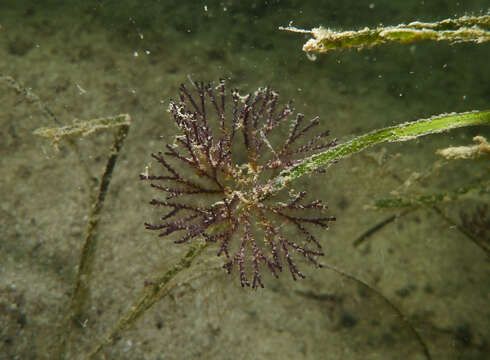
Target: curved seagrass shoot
[399, 133]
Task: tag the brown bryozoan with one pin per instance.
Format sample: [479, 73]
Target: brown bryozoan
[214, 175]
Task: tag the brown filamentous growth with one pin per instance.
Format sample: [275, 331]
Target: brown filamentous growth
[222, 158]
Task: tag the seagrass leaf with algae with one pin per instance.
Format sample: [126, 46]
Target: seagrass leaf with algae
[399, 133]
[82, 128]
[464, 29]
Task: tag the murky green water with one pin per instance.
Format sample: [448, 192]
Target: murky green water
[427, 279]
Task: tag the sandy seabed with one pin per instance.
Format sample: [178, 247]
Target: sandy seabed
[91, 59]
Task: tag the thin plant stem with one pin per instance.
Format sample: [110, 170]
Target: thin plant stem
[431, 199]
[34, 99]
[482, 245]
[379, 226]
[398, 312]
[81, 288]
[153, 291]
[28, 95]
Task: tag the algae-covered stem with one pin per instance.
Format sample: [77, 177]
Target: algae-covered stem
[81, 288]
[399, 133]
[464, 29]
[85, 266]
